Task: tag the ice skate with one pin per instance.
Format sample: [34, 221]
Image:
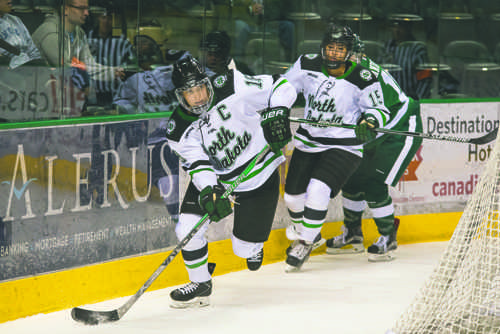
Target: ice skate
[349, 242]
[298, 253]
[254, 262]
[193, 294]
[293, 234]
[383, 249]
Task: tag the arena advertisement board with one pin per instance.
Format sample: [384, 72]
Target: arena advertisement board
[83, 194]
[444, 174]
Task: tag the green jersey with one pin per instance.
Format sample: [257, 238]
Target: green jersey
[400, 106]
[389, 155]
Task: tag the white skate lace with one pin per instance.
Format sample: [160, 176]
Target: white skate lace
[382, 242]
[300, 251]
[187, 289]
[256, 258]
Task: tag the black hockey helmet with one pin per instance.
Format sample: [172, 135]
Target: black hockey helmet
[186, 74]
[337, 34]
[217, 44]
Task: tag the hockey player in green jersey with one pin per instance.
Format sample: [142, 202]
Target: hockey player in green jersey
[222, 123]
[384, 162]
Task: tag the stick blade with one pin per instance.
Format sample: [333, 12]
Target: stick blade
[486, 138]
[89, 317]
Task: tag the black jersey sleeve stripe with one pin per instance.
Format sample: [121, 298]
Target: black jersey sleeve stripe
[200, 163]
[329, 141]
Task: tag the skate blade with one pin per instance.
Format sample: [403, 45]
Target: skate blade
[195, 302]
[347, 249]
[389, 256]
[318, 244]
[292, 269]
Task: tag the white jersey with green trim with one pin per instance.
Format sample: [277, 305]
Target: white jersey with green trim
[226, 138]
[341, 99]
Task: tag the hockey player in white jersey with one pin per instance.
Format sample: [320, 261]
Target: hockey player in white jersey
[339, 91]
[384, 161]
[221, 124]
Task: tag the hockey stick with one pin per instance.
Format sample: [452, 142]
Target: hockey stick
[9, 47]
[90, 317]
[489, 137]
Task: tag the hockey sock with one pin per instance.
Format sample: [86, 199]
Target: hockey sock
[196, 262]
[352, 219]
[383, 215]
[313, 221]
[385, 225]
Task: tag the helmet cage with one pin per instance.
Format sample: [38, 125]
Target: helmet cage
[336, 34]
[196, 110]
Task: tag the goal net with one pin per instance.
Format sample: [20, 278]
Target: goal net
[463, 293]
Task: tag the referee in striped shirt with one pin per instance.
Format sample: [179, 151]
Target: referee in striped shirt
[110, 51]
[415, 83]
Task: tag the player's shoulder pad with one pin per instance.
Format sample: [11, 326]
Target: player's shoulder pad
[311, 62]
[361, 76]
[276, 77]
[223, 85]
[177, 124]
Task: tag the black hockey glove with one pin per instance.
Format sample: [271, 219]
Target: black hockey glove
[365, 128]
[276, 126]
[212, 202]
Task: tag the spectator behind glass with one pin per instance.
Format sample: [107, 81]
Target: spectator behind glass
[20, 48]
[415, 83]
[73, 48]
[254, 16]
[215, 49]
[149, 54]
[151, 89]
[108, 50]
